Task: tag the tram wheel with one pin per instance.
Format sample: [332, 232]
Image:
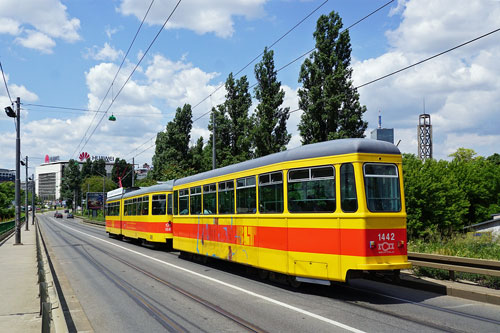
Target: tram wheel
[292, 280]
[263, 274]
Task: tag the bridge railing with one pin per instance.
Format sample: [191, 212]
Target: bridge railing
[455, 264]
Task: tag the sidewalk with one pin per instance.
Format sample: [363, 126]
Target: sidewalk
[19, 302]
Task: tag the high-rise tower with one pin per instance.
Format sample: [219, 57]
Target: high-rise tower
[424, 134]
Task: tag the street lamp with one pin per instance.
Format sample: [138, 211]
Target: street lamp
[12, 114]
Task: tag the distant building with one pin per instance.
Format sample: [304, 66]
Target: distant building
[7, 175]
[383, 134]
[48, 179]
[491, 226]
[142, 173]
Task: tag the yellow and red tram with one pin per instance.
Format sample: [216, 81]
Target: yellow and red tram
[318, 211]
[144, 213]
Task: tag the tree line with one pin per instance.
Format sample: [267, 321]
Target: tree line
[443, 197]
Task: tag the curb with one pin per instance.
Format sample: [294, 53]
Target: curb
[451, 288]
[52, 310]
[74, 316]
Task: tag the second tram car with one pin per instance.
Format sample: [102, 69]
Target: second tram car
[144, 214]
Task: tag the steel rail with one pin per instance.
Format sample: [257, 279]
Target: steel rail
[236, 319]
[455, 264]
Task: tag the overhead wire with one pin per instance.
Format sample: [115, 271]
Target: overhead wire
[5, 82]
[80, 110]
[306, 53]
[427, 59]
[281, 68]
[244, 67]
[133, 71]
[116, 75]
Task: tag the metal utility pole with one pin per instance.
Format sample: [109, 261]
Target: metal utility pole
[33, 208]
[214, 162]
[18, 173]
[133, 175]
[26, 188]
[103, 197]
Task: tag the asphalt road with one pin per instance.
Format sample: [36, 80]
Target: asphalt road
[125, 287]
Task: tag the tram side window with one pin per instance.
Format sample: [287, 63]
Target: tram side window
[209, 199]
[311, 190]
[158, 204]
[117, 209]
[184, 202]
[271, 192]
[226, 197]
[176, 202]
[169, 204]
[246, 202]
[195, 200]
[145, 205]
[382, 187]
[348, 199]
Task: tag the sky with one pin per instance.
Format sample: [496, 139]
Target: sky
[65, 54]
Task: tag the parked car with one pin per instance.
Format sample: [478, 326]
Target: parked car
[55, 213]
[59, 216]
[66, 210]
[69, 216]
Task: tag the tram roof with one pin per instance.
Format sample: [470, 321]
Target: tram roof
[163, 187]
[321, 149]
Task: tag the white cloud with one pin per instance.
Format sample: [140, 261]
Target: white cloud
[9, 26]
[41, 20]
[37, 40]
[200, 16]
[460, 88]
[107, 52]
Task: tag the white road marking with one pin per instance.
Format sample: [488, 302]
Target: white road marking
[270, 300]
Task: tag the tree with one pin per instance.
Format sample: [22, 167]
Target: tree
[329, 100]
[269, 133]
[495, 159]
[86, 169]
[122, 172]
[7, 196]
[434, 201]
[233, 126]
[94, 184]
[99, 168]
[222, 142]
[70, 185]
[197, 157]
[171, 159]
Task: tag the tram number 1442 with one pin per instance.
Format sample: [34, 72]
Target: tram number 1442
[384, 237]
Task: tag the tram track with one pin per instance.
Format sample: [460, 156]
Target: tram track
[167, 321]
[355, 296]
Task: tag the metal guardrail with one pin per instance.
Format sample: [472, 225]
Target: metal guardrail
[6, 228]
[455, 264]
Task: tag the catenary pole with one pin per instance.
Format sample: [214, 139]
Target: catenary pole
[33, 208]
[26, 189]
[18, 173]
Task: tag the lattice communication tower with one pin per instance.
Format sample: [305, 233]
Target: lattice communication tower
[424, 133]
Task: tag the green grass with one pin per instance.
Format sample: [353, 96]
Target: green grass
[469, 246]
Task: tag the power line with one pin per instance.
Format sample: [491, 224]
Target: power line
[274, 43]
[427, 59]
[304, 54]
[80, 111]
[116, 75]
[6, 87]
[138, 63]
